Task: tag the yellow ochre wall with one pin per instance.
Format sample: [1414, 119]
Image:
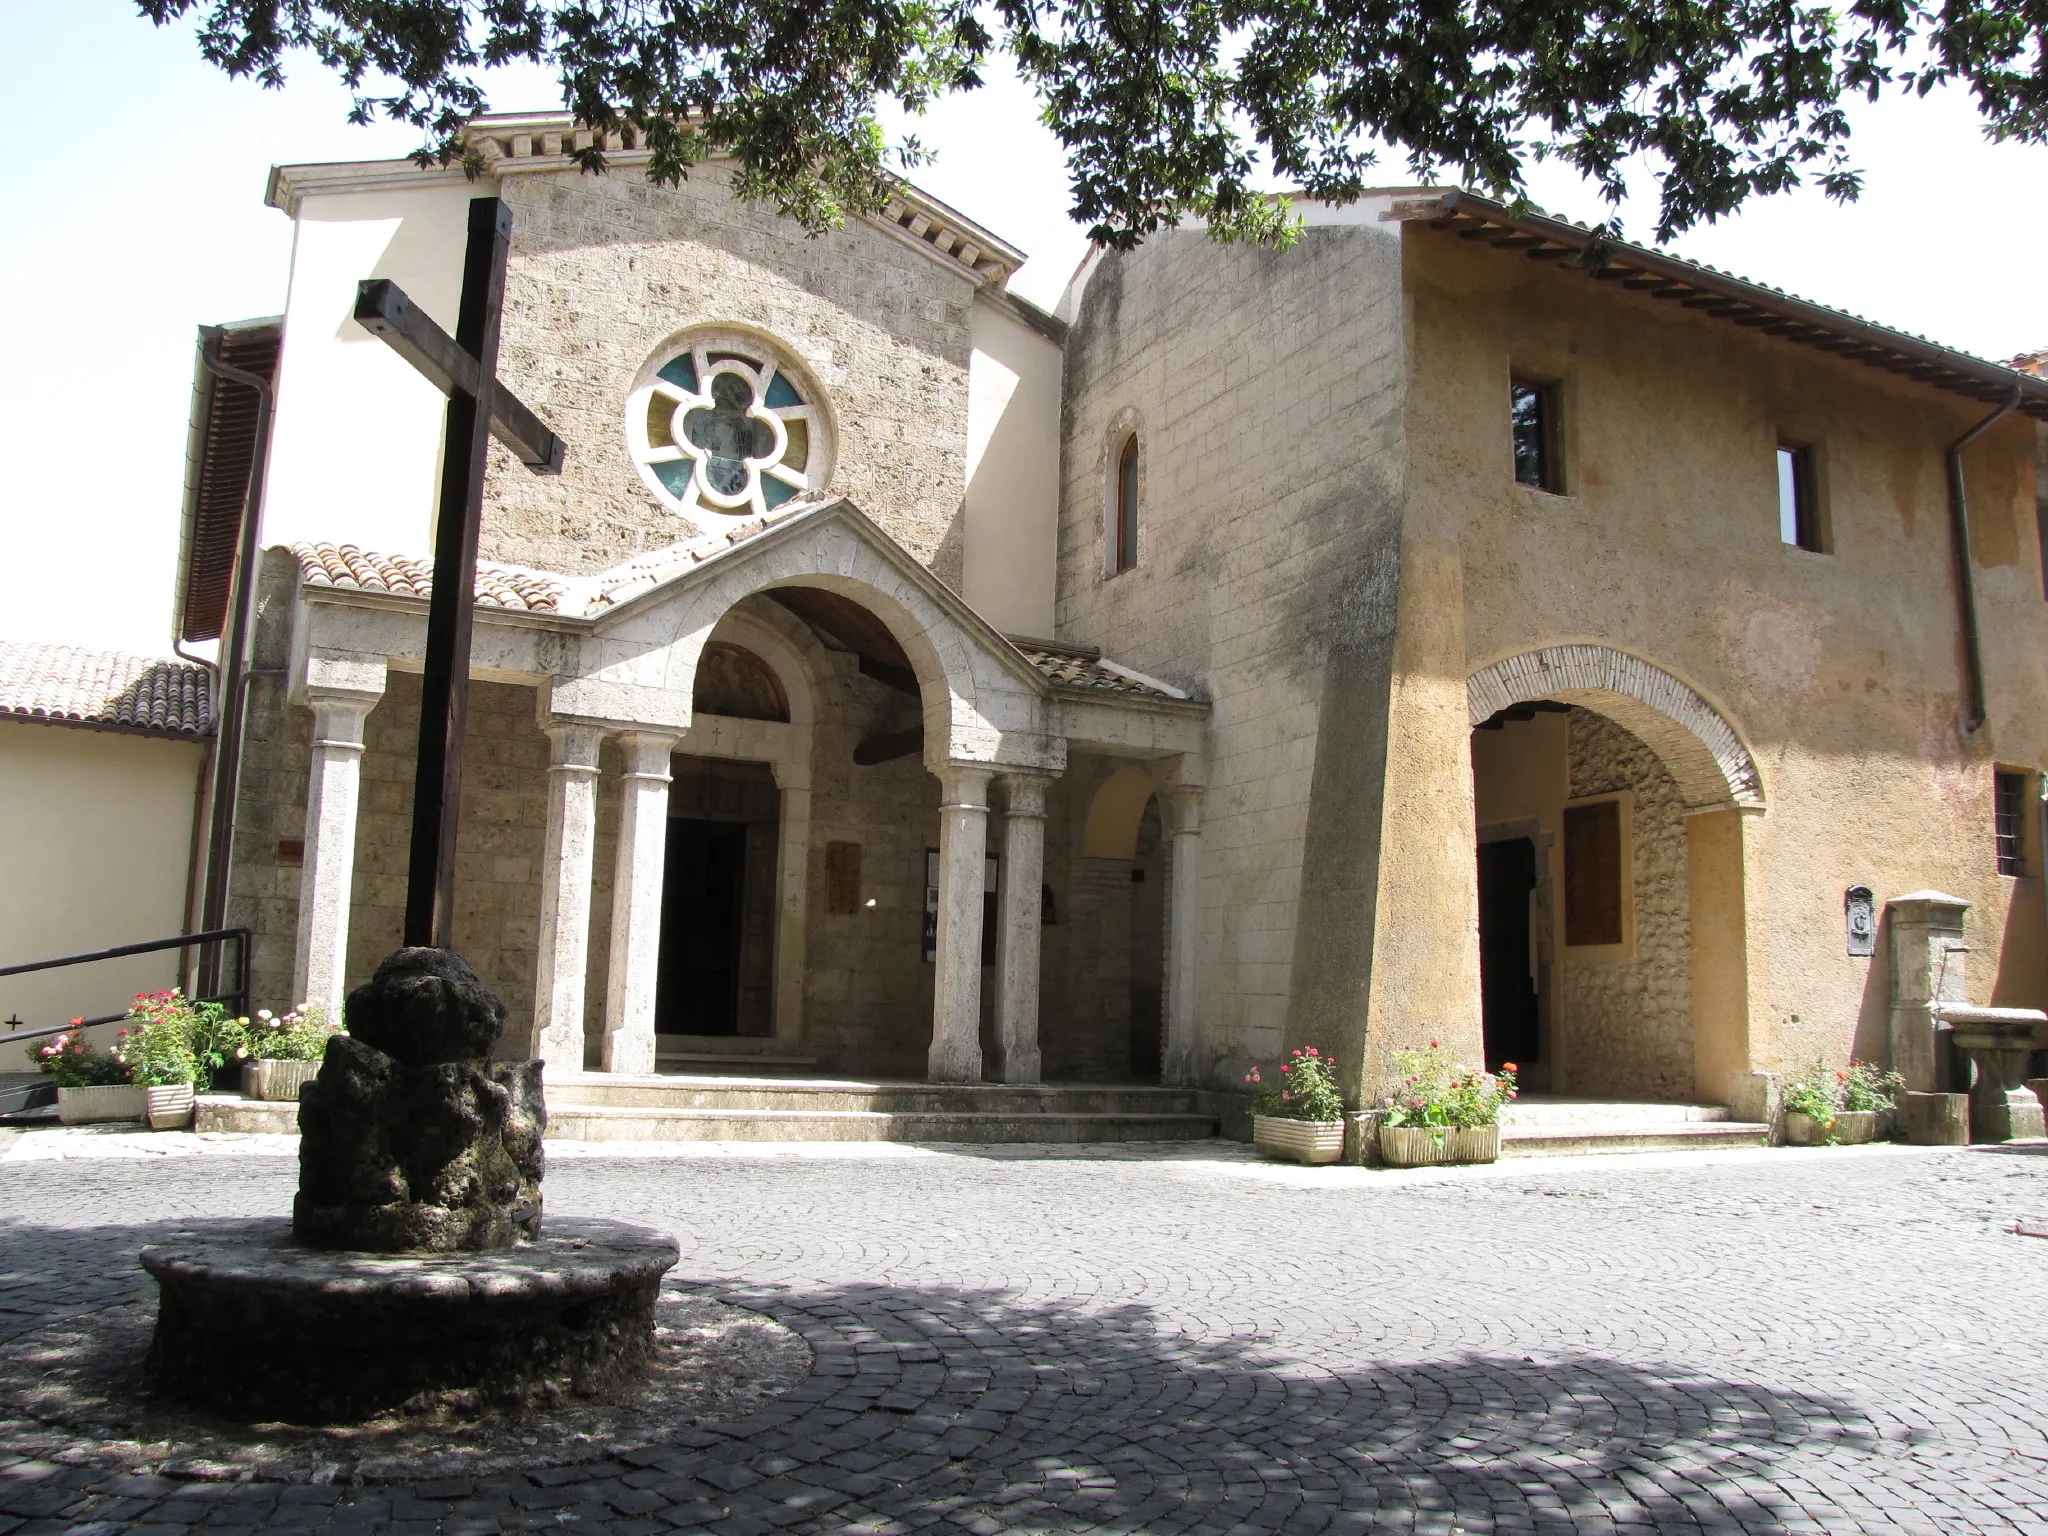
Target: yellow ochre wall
[1840, 671]
[93, 853]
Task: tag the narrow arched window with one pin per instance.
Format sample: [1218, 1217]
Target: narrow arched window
[1127, 507]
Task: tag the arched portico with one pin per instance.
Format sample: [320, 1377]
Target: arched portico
[1611, 800]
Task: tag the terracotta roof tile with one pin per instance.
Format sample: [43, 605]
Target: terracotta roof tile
[104, 688]
[498, 586]
[1083, 667]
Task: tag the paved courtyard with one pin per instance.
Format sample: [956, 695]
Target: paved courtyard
[1170, 1340]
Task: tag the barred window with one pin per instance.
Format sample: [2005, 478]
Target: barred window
[2009, 816]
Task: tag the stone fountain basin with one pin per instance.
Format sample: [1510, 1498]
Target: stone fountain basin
[258, 1326]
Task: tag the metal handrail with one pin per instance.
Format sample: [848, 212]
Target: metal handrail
[239, 997]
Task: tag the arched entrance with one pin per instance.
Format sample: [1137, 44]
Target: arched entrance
[1601, 784]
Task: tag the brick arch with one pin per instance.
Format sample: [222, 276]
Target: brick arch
[1712, 766]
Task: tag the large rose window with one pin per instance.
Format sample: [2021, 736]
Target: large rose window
[719, 424]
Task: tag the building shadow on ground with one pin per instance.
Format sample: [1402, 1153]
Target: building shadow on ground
[1005, 1414]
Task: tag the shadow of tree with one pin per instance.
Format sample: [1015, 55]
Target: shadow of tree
[1000, 1414]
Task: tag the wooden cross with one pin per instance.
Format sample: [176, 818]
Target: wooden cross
[463, 367]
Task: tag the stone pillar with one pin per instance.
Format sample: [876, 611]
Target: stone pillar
[1020, 906]
[565, 897]
[956, 992]
[1927, 969]
[636, 902]
[793, 885]
[1182, 806]
[327, 880]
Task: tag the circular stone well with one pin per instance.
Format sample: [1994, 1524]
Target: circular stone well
[259, 1326]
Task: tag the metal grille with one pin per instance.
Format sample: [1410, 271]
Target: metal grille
[2009, 802]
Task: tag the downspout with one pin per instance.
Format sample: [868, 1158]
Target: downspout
[202, 810]
[231, 703]
[1966, 578]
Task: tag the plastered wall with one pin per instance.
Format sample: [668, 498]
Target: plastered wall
[94, 850]
[1840, 669]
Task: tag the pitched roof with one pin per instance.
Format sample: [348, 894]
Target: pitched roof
[519, 589]
[219, 452]
[109, 690]
[1769, 311]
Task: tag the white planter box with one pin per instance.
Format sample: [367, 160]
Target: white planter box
[1851, 1128]
[84, 1106]
[280, 1080]
[169, 1106]
[1415, 1146]
[1299, 1141]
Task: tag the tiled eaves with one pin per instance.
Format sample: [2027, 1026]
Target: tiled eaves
[1729, 299]
[105, 690]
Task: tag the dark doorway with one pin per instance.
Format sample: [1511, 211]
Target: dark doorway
[697, 991]
[1507, 987]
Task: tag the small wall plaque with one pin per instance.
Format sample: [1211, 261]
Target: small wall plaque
[1860, 915]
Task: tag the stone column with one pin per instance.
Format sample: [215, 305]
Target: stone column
[565, 897]
[1927, 969]
[956, 992]
[1182, 806]
[636, 902]
[1017, 939]
[793, 885]
[327, 879]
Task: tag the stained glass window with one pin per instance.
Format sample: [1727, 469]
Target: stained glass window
[721, 425]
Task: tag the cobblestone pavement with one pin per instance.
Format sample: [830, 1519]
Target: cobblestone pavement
[1181, 1339]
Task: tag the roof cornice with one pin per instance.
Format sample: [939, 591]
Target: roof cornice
[539, 143]
[1722, 297]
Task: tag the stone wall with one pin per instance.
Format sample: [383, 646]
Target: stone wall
[606, 268]
[1627, 1023]
[1266, 391]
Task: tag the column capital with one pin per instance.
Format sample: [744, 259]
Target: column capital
[1024, 793]
[1183, 805]
[575, 745]
[647, 754]
[964, 786]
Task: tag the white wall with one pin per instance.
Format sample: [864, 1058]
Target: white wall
[1013, 462]
[356, 449]
[94, 845]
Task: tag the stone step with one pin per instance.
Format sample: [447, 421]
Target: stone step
[612, 1122]
[1543, 1109]
[1672, 1136]
[753, 1095]
[231, 1112]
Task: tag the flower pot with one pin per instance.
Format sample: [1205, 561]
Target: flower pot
[116, 1101]
[1418, 1146]
[269, 1078]
[1849, 1128]
[1298, 1141]
[169, 1106]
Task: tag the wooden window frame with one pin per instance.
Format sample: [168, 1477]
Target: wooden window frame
[1623, 949]
[1550, 395]
[1809, 522]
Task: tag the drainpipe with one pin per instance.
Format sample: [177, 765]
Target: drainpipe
[1966, 578]
[231, 697]
[202, 812]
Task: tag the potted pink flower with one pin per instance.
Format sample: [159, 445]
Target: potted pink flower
[1299, 1118]
[1443, 1111]
[92, 1084]
[286, 1051]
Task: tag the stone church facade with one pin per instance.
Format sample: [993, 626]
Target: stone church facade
[1421, 633]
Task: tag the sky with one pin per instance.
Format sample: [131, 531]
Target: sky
[131, 212]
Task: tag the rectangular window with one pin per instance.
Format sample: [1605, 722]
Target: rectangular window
[2009, 817]
[1533, 412]
[1592, 874]
[1798, 500]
